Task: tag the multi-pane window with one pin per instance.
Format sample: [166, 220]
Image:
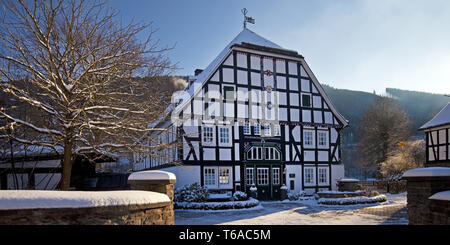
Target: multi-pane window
[224, 176]
[276, 130]
[306, 100]
[309, 175]
[269, 153]
[210, 177]
[246, 128]
[256, 129]
[322, 138]
[249, 176]
[208, 134]
[308, 138]
[266, 129]
[276, 176]
[263, 176]
[323, 176]
[224, 135]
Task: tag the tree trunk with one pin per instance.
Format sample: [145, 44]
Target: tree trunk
[66, 166]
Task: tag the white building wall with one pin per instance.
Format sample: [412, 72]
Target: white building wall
[297, 170]
[186, 175]
[337, 172]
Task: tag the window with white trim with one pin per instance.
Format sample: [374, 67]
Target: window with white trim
[275, 176]
[266, 130]
[208, 134]
[256, 129]
[276, 130]
[224, 135]
[210, 177]
[322, 139]
[249, 176]
[224, 176]
[309, 176]
[247, 128]
[308, 138]
[262, 176]
[323, 175]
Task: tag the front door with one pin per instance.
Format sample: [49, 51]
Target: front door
[266, 178]
[263, 183]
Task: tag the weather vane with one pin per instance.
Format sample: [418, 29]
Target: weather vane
[247, 18]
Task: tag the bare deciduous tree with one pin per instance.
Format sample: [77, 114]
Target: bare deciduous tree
[408, 155]
[383, 125]
[77, 67]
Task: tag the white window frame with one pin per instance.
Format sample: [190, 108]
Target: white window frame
[312, 142]
[224, 174]
[224, 138]
[267, 130]
[247, 128]
[325, 135]
[321, 169]
[276, 180]
[276, 130]
[213, 136]
[210, 181]
[250, 172]
[263, 178]
[309, 176]
[257, 126]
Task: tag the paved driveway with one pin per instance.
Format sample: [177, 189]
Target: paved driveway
[306, 213]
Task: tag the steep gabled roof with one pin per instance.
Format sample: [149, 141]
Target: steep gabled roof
[440, 119]
[246, 37]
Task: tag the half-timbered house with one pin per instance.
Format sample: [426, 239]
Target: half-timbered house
[437, 133]
[255, 116]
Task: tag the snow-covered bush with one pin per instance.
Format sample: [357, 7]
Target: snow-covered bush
[296, 196]
[352, 200]
[251, 202]
[240, 196]
[191, 193]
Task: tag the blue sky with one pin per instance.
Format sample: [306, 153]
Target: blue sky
[362, 45]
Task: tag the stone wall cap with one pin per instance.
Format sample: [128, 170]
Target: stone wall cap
[152, 175]
[40, 199]
[348, 180]
[427, 172]
[443, 195]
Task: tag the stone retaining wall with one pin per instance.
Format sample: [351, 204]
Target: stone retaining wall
[144, 214]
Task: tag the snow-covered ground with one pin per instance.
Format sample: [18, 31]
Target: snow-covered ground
[308, 212]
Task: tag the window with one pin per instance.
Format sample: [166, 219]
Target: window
[308, 138]
[246, 128]
[228, 93]
[322, 137]
[224, 135]
[266, 129]
[306, 100]
[256, 129]
[276, 176]
[269, 153]
[210, 177]
[208, 134]
[224, 176]
[309, 176]
[249, 176]
[323, 176]
[263, 176]
[276, 130]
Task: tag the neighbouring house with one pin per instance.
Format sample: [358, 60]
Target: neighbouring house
[437, 132]
[255, 116]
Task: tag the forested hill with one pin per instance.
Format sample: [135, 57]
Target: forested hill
[420, 106]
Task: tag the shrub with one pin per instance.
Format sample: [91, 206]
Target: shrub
[191, 193]
[296, 196]
[240, 196]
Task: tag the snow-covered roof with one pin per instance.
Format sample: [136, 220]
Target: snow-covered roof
[428, 172]
[443, 195]
[441, 119]
[31, 199]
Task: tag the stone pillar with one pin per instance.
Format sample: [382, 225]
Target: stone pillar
[422, 183]
[153, 180]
